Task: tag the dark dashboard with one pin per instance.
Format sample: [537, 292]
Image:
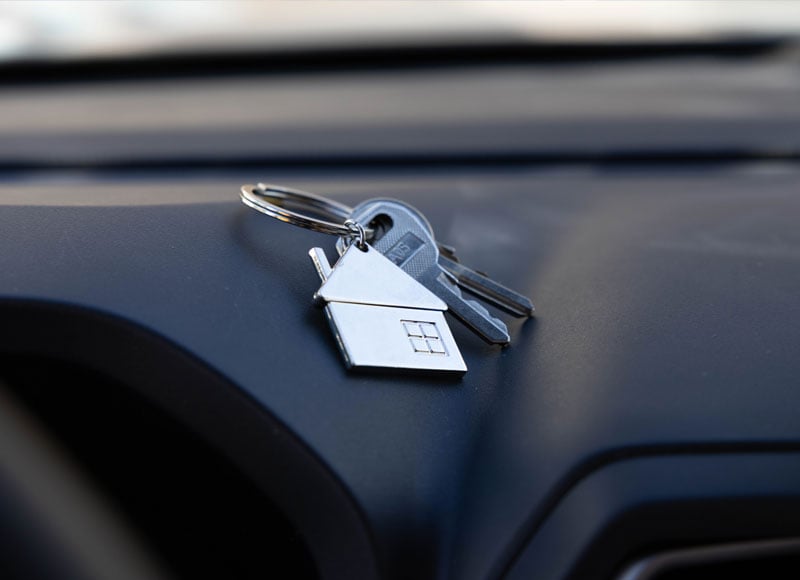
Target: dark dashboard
[165, 335]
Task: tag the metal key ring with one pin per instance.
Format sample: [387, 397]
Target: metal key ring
[271, 199]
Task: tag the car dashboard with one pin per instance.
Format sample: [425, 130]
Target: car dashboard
[164, 337]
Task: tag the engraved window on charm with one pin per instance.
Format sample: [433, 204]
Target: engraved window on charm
[424, 337]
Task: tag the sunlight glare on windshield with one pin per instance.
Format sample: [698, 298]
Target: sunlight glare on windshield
[48, 30]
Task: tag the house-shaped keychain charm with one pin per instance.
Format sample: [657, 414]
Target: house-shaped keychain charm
[381, 316]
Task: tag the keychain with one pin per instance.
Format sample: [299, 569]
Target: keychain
[386, 302]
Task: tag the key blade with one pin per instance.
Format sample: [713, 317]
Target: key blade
[473, 314]
[490, 290]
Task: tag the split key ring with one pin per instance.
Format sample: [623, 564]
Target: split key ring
[276, 201]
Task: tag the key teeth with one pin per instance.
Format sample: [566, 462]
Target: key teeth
[483, 310]
[494, 320]
[499, 325]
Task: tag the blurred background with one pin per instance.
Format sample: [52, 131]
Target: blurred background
[247, 89]
[56, 29]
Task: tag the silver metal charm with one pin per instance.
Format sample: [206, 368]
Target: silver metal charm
[381, 316]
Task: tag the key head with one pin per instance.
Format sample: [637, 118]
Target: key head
[445, 250]
[403, 235]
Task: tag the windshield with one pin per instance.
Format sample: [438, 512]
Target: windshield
[125, 28]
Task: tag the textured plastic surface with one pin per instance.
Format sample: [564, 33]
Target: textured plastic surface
[641, 505]
[667, 319]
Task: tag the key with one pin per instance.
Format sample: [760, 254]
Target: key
[474, 282]
[407, 242]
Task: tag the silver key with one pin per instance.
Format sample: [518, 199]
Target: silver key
[407, 242]
[474, 282]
